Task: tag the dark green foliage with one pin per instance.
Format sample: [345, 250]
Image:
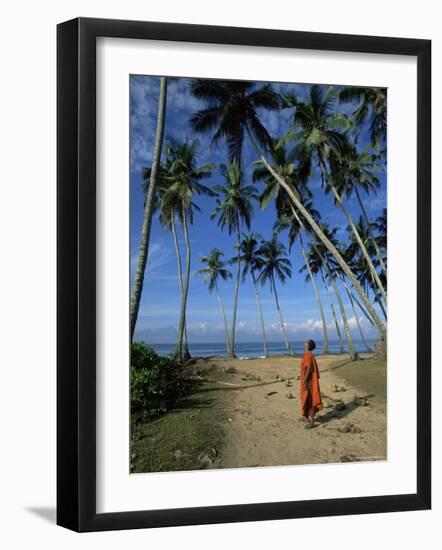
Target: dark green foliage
[232, 112]
[156, 383]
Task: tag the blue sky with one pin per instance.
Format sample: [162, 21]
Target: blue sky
[159, 309]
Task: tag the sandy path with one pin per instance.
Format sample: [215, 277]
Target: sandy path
[264, 430]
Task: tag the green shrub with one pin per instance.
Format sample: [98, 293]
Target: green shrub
[156, 383]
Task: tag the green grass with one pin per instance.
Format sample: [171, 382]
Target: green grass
[368, 375]
[192, 429]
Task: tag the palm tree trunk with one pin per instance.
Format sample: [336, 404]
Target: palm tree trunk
[179, 347]
[289, 349]
[367, 221]
[332, 307]
[361, 307]
[143, 251]
[366, 255]
[235, 295]
[324, 324]
[316, 229]
[261, 316]
[180, 280]
[357, 321]
[377, 297]
[353, 355]
[223, 313]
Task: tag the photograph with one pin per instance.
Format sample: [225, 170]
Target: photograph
[226, 330]
[258, 301]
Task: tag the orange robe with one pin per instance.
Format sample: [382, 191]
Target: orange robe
[310, 398]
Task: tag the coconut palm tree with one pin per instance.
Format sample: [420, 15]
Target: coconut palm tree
[287, 216]
[319, 143]
[318, 297]
[372, 106]
[286, 220]
[296, 224]
[185, 176]
[332, 307]
[229, 117]
[215, 270]
[275, 265]
[329, 267]
[168, 211]
[355, 172]
[137, 287]
[231, 112]
[380, 225]
[295, 228]
[355, 300]
[251, 263]
[359, 267]
[234, 209]
[272, 189]
[316, 265]
[350, 297]
[315, 229]
[355, 258]
[351, 251]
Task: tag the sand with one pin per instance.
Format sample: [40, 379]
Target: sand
[261, 424]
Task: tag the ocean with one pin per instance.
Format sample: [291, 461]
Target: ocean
[255, 349]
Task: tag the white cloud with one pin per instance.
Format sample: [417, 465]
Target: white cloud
[144, 93]
[159, 256]
[246, 332]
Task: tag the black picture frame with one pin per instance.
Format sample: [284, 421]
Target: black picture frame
[76, 274]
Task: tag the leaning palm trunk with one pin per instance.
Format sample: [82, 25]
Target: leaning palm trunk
[381, 305]
[289, 349]
[361, 307]
[235, 296]
[261, 316]
[353, 299]
[332, 307]
[380, 327]
[179, 347]
[353, 354]
[180, 281]
[223, 313]
[367, 221]
[143, 251]
[366, 255]
[321, 309]
[347, 330]
[357, 322]
[378, 298]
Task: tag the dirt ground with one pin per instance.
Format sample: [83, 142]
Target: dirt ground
[247, 413]
[263, 426]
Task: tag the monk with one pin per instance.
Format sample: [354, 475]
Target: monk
[310, 393]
